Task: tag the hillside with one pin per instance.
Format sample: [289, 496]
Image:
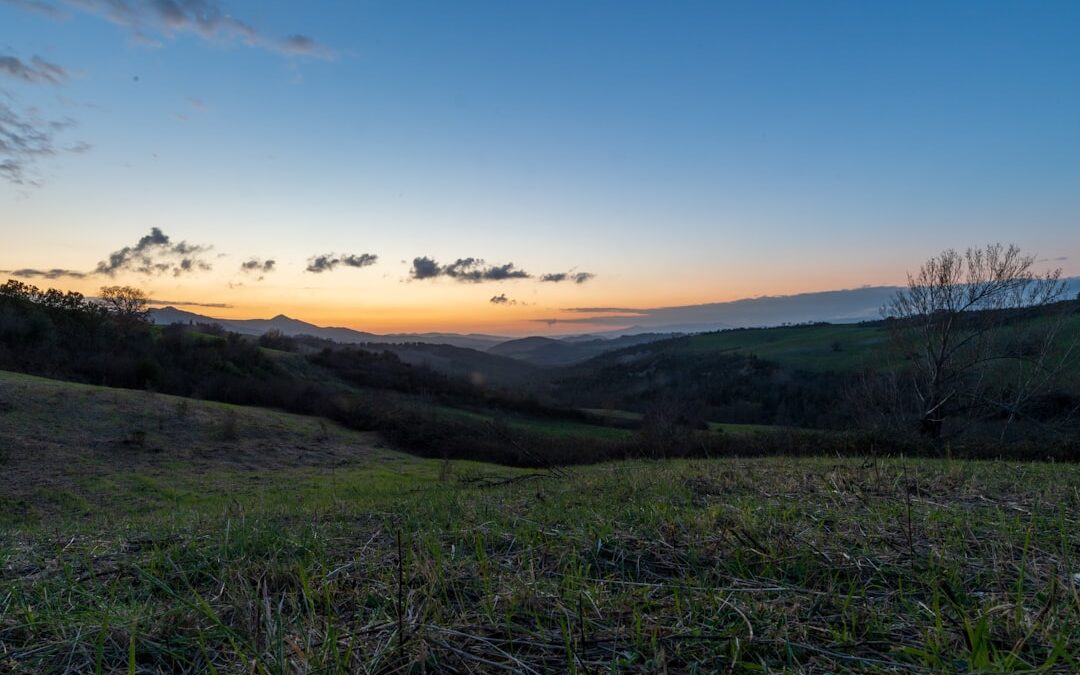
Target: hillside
[72, 448]
[548, 352]
[286, 546]
[813, 375]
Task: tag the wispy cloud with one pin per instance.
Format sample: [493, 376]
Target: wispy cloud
[604, 310]
[26, 139]
[36, 70]
[473, 270]
[151, 21]
[190, 303]
[25, 136]
[501, 299]
[328, 261]
[576, 277]
[56, 273]
[39, 7]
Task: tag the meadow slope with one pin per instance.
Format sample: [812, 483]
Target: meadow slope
[277, 544]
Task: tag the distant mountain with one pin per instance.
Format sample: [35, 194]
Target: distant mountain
[543, 351]
[290, 326]
[841, 306]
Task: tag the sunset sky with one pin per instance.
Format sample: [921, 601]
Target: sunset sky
[616, 154]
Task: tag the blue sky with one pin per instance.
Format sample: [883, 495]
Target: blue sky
[680, 152]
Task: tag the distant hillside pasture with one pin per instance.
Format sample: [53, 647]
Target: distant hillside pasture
[816, 348]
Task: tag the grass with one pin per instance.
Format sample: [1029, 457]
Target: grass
[821, 347]
[554, 428]
[630, 417]
[815, 348]
[372, 561]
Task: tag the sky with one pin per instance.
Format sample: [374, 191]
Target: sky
[488, 166]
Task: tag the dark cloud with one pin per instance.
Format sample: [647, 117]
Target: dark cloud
[327, 262]
[501, 299]
[256, 265]
[472, 270]
[425, 268]
[56, 273]
[576, 277]
[149, 20]
[155, 254]
[37, 70]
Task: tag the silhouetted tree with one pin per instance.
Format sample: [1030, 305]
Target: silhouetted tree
[959, 325]
[127, 304]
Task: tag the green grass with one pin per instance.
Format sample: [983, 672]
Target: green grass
[823, 347]
[191, 559]
[554, 428]
[816, 348]
[628, 416]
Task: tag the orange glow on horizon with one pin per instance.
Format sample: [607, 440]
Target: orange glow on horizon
[411, 307]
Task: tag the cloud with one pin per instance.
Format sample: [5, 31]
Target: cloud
[576, 277]
[473, 270]
[302, 45]
[25, 139]
[155, 254]
[425, 268]
[257, 266]
[603, 310]
[328, 261]
[187, 303]
[39, 7]
[151, 20]
[37, 70]
[80, 148]
[56, 273]
[501, 299]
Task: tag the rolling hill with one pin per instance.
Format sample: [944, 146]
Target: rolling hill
[290, 326]
[545, 351]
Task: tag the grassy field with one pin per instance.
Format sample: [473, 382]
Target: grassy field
[822, 347]
[542, 426]
[629, 417]
[827, 347]
[276, 544]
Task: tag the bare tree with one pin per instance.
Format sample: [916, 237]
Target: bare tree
[126, 303]
[975, 331]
